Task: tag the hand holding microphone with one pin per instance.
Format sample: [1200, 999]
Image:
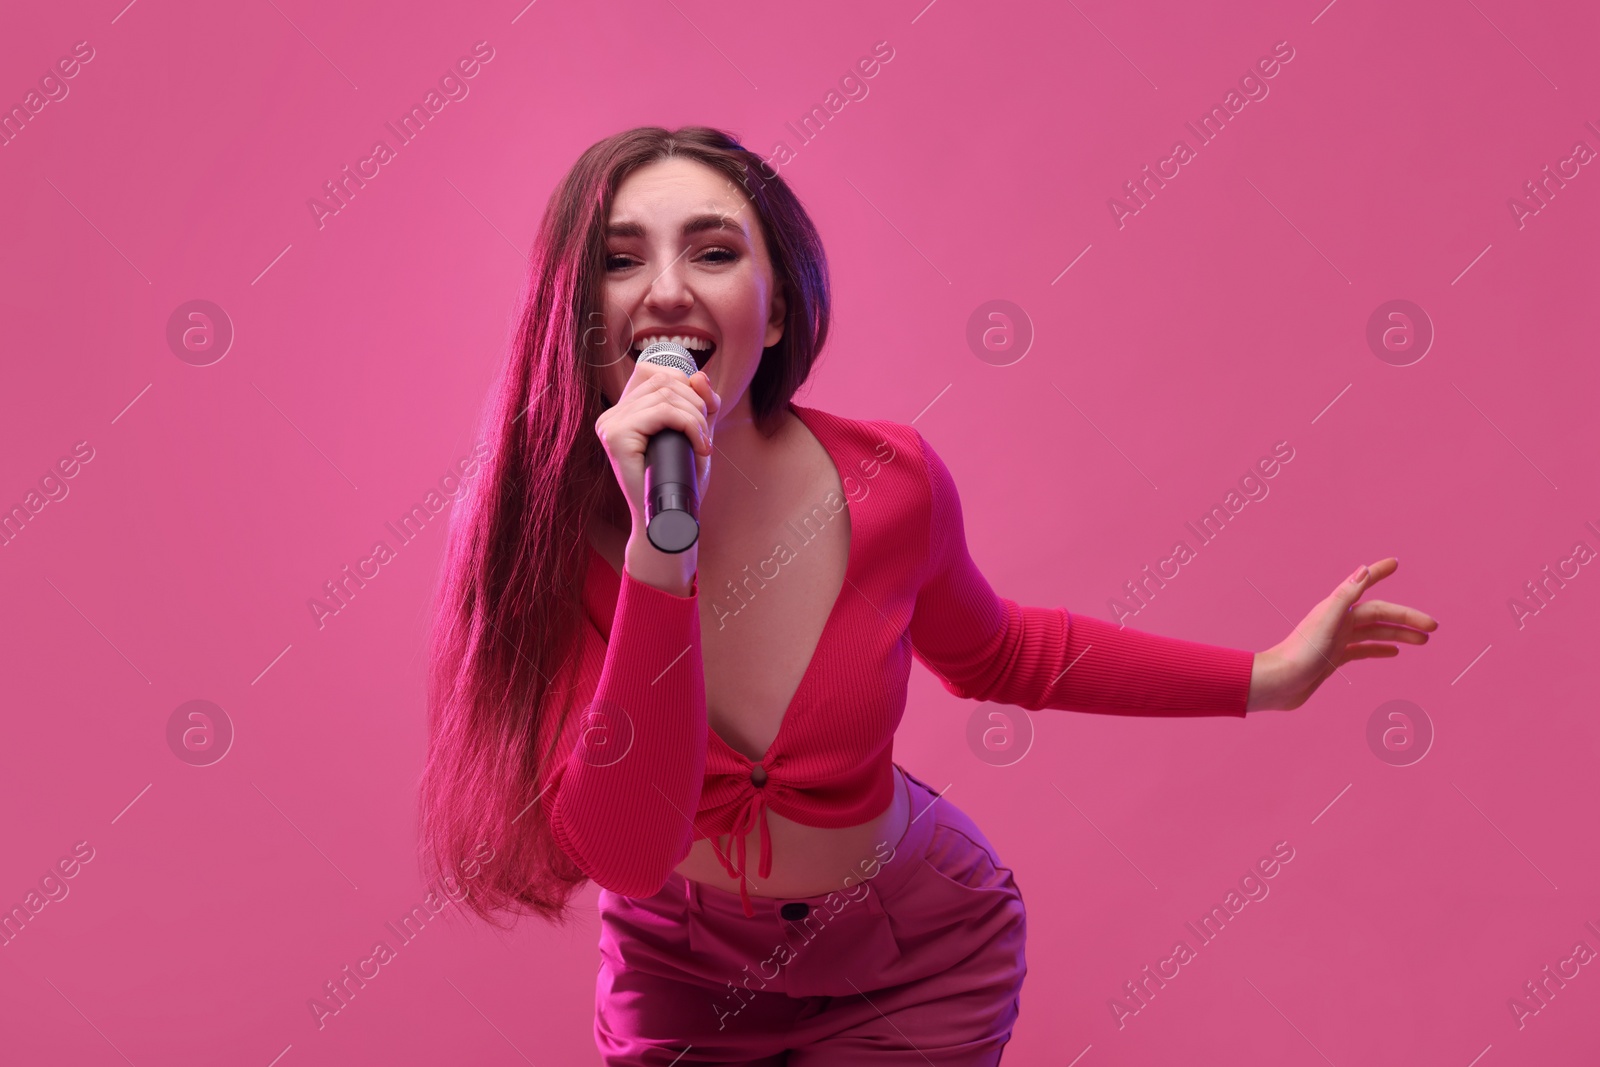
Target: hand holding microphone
[671, 483]
[658, 438]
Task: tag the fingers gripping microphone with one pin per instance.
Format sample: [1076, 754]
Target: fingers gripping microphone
[671, 504]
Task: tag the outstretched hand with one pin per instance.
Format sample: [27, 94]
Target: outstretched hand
[1337, 630]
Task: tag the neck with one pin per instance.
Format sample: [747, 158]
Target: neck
[743, 458]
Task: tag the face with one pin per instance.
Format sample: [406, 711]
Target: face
[686, 260]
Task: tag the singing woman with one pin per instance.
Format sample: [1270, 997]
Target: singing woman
[708, 735]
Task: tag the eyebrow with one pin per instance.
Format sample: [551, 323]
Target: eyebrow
[694, 225]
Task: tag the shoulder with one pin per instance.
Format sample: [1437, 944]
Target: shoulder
[896, 484]
[893, 479]
[872, 448]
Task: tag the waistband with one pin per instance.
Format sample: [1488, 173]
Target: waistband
[888, 878]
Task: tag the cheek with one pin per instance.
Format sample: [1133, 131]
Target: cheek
[621, 296]
[739, 308]
[606, 340]
[618, 321]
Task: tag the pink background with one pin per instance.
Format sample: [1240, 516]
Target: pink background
[1229, 314]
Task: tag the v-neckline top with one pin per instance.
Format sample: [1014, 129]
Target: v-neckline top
[639, 774]
[808, 419]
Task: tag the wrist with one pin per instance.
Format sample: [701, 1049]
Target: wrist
[670, 572]
[1263, 683]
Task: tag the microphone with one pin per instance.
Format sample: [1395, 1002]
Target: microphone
[671, 503]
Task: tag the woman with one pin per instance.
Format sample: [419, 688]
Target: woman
[708, 735]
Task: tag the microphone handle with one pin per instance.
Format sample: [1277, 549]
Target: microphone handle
[671, 504]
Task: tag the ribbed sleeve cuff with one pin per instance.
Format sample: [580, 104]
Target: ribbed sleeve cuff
[644, 596]
[1124, 670]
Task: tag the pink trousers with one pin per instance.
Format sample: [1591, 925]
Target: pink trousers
[918, 958]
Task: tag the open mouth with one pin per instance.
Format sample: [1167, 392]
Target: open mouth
[700, 349]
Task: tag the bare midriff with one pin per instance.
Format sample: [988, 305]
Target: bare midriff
[807, 861]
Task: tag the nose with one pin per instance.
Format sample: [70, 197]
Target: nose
[669, 288]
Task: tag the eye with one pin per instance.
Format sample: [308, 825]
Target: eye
[618, 261]
[720, 255]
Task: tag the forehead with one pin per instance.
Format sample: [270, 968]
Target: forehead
[663, 194]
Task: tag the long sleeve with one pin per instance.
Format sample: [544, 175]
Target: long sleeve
[987, 647]
[627, 776]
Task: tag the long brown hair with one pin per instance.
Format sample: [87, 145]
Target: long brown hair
[508, 607]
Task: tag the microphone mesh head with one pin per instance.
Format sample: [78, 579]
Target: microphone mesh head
[670, 354]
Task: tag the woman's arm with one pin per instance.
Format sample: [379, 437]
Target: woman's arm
[626, 777]
[986, 647]
[625, 785]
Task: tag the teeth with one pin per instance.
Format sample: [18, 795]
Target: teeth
[694, 344]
